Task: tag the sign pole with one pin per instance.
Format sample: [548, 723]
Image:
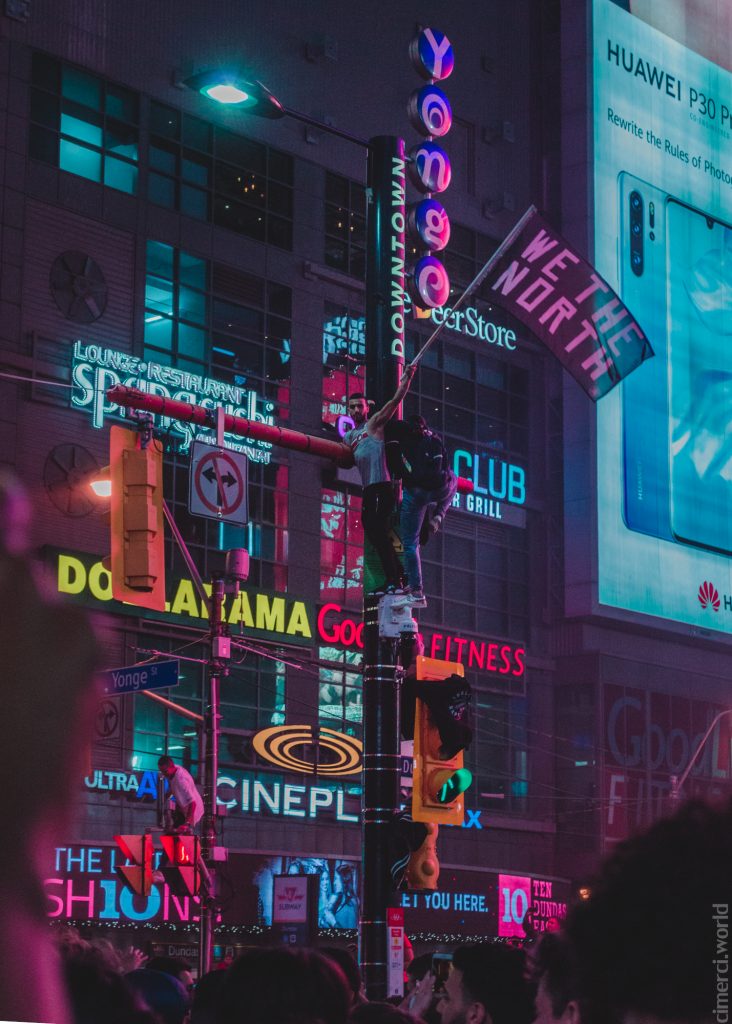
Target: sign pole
[381, 675]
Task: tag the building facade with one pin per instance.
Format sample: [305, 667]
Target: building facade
[151, 237]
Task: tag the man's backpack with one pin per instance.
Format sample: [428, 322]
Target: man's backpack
[424, 460]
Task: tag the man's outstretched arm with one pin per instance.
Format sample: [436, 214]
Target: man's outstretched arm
[385, 413]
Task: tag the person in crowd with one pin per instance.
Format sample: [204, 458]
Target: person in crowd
[206, 994]
[429, 487]
[420, 997]
[99, 993]
[163, 993]
[367, 442]
[188, 801]
[382, 1013]
[45, 737]
[286, 985]
[347, 963]
[647, 940]
[486, 985]
[176, 966]
[555, 971]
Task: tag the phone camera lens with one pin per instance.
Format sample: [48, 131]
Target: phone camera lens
[635, 201]
[636, 259]
[636, 227]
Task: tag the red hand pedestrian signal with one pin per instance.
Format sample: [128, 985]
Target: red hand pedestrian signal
[183, 870]
[138, 875]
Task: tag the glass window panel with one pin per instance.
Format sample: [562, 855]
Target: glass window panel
[357, 230]
[196, 133]
[79, 160]
[336, 254]
[195, 169]
[120, 175]
[192, 304]
[336, 189]
[45, 72]
[239, 218]
[161, 190]
[162, 159]
[84, 131]
[120, 139]
[336, 221]
[240, 151]
[492, 375]
[121, 103]
[229, 316]
[159, 331]
[194, 202]
[193, 271]
[459, 616]
[358, 263]
[160, 260]
[191, 341]
[159, 295]
[279, 233]
[43, 144]
[279, 199]
[164, 120]
[81, 87]
[44, 108]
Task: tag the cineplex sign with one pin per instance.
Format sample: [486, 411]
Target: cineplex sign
[83, 578]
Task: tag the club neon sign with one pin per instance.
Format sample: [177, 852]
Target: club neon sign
[94, 369]
[278, 743]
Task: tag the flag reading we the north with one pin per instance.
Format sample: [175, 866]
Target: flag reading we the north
[562, 299]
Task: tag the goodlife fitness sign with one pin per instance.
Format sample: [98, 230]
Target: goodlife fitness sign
[489, 656]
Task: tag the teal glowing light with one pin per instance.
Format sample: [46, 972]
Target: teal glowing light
[226, 93]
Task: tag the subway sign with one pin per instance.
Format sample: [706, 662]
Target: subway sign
[95, 369]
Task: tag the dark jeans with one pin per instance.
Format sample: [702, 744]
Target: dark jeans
[377, 507]
[416, 503]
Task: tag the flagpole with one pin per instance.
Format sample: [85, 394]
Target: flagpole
[480, 276]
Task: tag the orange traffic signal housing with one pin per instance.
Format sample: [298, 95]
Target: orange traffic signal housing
[136, 512]
[430, 800]
[137, 876]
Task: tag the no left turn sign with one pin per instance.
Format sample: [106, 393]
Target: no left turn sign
[218, 487]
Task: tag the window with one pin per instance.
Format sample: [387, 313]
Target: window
[340, 698]
[345, 225]
[207, 317]
[253, 699]
[176, 307]
[499, 754]
[180, 162]
[84, 125]
[341, 549]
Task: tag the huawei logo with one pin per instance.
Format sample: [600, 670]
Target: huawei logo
[708, 595]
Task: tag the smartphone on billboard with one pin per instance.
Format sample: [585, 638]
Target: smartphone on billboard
[699, 301]
[645, 392]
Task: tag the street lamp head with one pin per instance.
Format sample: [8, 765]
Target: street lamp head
[231, 89]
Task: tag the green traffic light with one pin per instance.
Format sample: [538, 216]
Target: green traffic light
[458, 782]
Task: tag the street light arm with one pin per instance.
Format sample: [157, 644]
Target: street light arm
[678, 782]
[327, 128]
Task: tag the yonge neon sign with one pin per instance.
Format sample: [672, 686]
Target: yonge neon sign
[95, 369]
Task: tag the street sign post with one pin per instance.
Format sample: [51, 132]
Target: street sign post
[218, 487]
[157, 676]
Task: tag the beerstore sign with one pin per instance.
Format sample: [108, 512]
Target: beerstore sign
[83, 578]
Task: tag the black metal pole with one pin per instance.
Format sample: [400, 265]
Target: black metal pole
[381, 677]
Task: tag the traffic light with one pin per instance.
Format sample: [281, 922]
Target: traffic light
[138, 555]
[138, 875]
[183, 870]
[441, 732]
